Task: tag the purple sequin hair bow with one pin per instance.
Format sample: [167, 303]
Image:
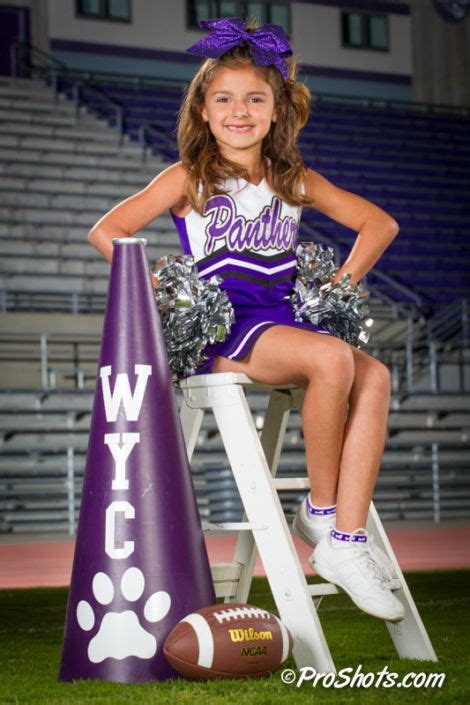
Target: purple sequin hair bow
[269, 44]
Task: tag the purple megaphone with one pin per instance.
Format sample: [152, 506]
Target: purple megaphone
[140, 561]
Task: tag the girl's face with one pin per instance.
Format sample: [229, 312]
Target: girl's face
[239, 107]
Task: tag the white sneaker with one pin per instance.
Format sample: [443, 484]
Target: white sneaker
[312, 529]
[354, 568]
[382, 559]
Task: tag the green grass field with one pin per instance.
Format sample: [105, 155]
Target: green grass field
[32, 625]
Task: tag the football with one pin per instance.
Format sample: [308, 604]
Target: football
[228, 640]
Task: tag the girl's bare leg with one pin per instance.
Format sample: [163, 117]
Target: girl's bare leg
[342, 459]
[324, 366]
[364, 440]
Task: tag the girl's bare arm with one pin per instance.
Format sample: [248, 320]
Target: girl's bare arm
[375, 228]
[137, 211]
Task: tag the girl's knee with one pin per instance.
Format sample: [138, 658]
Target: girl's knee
[379, 377]
[382, 377]
[333, 364]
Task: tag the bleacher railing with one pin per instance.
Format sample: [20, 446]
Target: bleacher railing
[451, 323]
[414, 362]
[422, 477]
[87, 89]
[22, 63]
[27, 59]
[53, 355]
[56, 301]
[442, 341]
[41, 483]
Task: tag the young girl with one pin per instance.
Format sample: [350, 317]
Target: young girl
[236, 198]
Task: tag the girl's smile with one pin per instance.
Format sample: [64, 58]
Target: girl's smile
[242, 129]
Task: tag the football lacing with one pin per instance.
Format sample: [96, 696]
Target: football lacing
[240, 612]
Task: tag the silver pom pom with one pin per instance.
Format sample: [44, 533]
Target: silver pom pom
[339, 308]
[194, 312]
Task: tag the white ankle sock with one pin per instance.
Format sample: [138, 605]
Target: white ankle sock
[315, 512]
[343, 539]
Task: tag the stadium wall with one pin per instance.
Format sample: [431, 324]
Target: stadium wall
[153, 44]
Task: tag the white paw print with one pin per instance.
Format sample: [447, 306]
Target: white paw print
[120, 633]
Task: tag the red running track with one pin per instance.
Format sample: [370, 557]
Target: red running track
[48, 563]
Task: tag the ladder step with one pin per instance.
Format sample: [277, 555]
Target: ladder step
[225, 588]
[217, 379]
[226, 577]
[211, 527]
[320, 589]
[291, 483]
[226, 571]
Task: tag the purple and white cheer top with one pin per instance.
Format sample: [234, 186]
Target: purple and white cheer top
[248, 238]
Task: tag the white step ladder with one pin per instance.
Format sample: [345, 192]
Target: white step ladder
[254, 461]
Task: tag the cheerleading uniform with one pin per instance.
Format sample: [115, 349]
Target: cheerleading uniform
[248, 238]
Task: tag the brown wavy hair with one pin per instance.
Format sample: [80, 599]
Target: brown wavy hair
[198, 149]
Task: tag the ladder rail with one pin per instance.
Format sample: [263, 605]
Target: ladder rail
[254, 459]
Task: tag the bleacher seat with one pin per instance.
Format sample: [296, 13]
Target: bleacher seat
[58, 178]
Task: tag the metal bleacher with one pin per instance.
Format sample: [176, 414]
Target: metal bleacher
[58, 176]
[412, 160]
[425, 470]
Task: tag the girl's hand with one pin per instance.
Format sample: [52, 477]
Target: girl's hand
[158, 265]
[340, 274]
